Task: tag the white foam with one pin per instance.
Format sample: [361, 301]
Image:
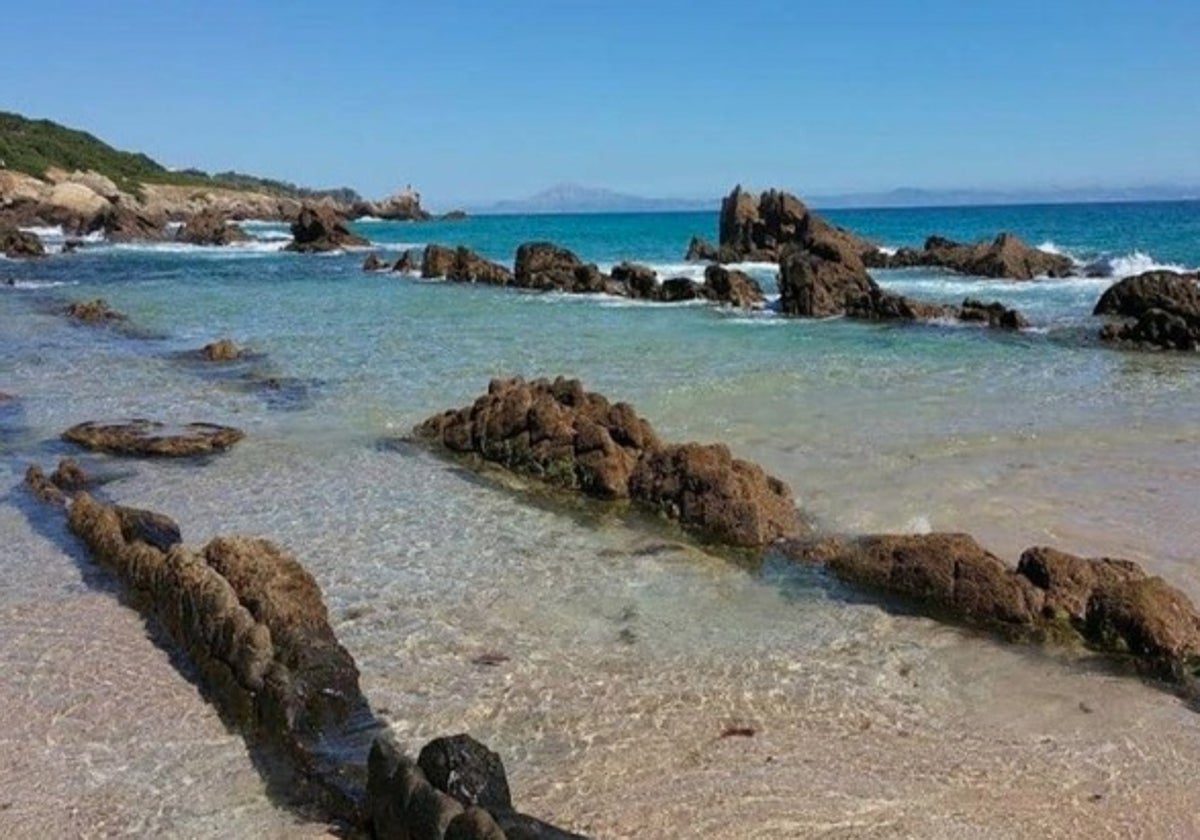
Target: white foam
[255, 246]
[919, 525]
[49, 232]
[38, 284]
[1050, 247]
[1138, 262]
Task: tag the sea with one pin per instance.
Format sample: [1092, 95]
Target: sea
[624, 654]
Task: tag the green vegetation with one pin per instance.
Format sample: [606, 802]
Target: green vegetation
[33, 146]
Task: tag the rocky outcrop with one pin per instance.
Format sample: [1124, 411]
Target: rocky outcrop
[222, 350]
[462, 265]
[93, 312]
[640, 281]
[814, 286]
[1110, 605]
[20, 244]
[1157, 309]
[409, 262]
[1004, 257]
[320, 228]
[210, 227]
[994, 314]
[700, 250]
[569, 438]
[677, 289]
[731, 287]
[146, 438]
[546, 267]
[761, 228]
[404, 206]
[253, 623]
[122, 223]
[373, 262]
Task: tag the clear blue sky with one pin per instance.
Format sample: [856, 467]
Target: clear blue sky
[473, 101]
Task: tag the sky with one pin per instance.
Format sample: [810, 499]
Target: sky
[478, 101]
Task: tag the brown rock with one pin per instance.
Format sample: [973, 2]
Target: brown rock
[1069, 581]
[1161, 310]
[732, 287]
[409, 261]
[813, 286]
[1006, 256]
[994, 314]
[676, 289]
[1148, 619]
[93, 312]
[462, 265]
[321, 228]
[641, 281]
[709, 491]
[122, 223]
[546, 267]
[762, 228]
[146, 438]
[222, 350]
[16, 244]
[374, 263]
[210, 227]
[701, 251]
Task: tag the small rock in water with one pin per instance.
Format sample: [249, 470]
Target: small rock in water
[738, 732]
[491, 658]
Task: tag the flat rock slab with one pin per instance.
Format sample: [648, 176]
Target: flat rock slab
[149, 438]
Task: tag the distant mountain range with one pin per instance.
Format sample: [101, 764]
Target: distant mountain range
[575, 198]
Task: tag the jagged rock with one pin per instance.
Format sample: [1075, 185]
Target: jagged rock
[708, 490]
[404, 206]
[547, 267]
[1069, 581]
[93, 311]
[467, 770]
[879, 305]
[561, 434]
[122, 223]
[462, 265]
[17, 244]
[994, 314]
[814, 286]
[1150, 620]
[641, 281]
[676, 289]
[146, 438]
[732, 287]
[374, 263]
[222, 350]
[1161, 309]
[762, 228]
[1006, 256]
[410, 261]
[474, 824]
[700, 250]
[321, 228]
[210, 227]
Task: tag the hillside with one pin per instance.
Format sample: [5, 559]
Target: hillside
[35, 146]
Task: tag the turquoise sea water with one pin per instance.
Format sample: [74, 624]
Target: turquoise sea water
[1038, 437]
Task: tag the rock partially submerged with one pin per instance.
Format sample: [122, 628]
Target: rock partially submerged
[1157, 309]
[320, 228]
[761, 228]
[374, 262]
[462, 265]
[732, 287]
[1004, 257]
[1110, 605]
[254, 624]
[93, 312]
[572, 439]
[18, 244]
[210, 227]
[545, 266]
[123, 223]
[146, 438]
[222, 350]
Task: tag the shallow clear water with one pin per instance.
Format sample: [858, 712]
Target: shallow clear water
[629, 651]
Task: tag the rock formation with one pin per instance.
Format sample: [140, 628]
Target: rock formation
[16, 244]
[1004, 257]
[93, 311]
[321, 228]
[146, 438]
[462, 265]
[222, 350]
[1110, 605]
[254, 624]
[404, 206]
[572, 439]
[760, 228]
[731, 287]
[640, 281]
[210, 227]
[122, 223]
[546, 267]
[374, 262]
[1157, 309]
[994, 314]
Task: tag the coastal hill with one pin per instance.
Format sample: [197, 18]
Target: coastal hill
[575, 198]
[55, 175]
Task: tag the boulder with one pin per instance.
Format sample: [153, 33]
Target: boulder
[210, 227]
[994, 314]
[1158, 309]
[374, 263]
[762, 227]
[545, 266]
[732, 287]
[1004, 257]
[410, 261]
[700, 250]
[1069, 581]
[93, 311]
[81, 201]
[321, 228]
[145, 438]
[875, 304]
[572, 439]
[1149, 620]
[122, 223]
[722, 498]
[19, 244]
[676, 289]
[222, 350]
[462, 265]
[640, 281]
[814, 286]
